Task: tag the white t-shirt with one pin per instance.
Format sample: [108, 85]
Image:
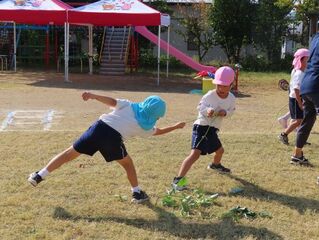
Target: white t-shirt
[295, 82]
[213, 101]
[122, 119]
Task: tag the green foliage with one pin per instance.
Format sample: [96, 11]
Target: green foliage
[305, 8]
[195, 20]
[271, 25]
[147, 59]
[231, 21]
[161, 6]
[189, 204]
[239, 212]
[260, 63]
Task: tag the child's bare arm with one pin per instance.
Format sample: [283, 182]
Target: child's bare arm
[103, 99]
[160, 131]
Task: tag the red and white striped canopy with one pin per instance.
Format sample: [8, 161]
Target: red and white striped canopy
[115, 13]
[39, 12]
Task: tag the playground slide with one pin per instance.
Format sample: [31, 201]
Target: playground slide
[173, 51]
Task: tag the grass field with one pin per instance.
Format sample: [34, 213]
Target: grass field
[89, 199]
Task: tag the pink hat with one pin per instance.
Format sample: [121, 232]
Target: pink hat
[299, 54]
[224, 76]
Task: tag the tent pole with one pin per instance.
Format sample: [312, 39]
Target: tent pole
[47, 46]
[158, 53]
[167, 58]
[66, 52]
[90, 49]
[15, 46]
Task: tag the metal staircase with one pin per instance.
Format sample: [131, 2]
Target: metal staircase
[114, 51]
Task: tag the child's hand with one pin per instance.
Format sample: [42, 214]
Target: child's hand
[86, 96]
[210, 112]
[222, 113]
[180, 125]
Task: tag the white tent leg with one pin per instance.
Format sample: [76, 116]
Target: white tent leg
[158, 54]
[66, 52]
[15, 46]
[167, 58]
[90, 49]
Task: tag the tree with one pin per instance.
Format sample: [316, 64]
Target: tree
[272, 21]
[195, 20]
[161, 6]
[304, 10]
[231, 21]
[145, 44]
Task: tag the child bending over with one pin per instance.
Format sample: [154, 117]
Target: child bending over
[106, 135]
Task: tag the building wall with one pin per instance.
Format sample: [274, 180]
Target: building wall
[216, 53]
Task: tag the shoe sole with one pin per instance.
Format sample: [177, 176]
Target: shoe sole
[294, 163]
[32, 182]
[179, 188]
[216, 170]
[139, 201]
[301, 164]
[283, 142]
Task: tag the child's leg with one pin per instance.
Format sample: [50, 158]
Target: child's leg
[292, 126]
[188, 162]
[64, 157]
[139, 196]
[128, 165]
[218, 156]
[216, 165]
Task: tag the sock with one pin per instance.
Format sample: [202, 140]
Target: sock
[136, 189]
[43, 173]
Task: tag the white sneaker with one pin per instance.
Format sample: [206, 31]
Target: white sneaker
[35, 179]
[283, 122]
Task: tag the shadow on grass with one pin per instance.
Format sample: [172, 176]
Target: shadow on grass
[253, 191]
[139, 82]
[168, 223]
[119, 83]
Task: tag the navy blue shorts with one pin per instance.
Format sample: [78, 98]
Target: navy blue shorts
[205, 139]
[101, 137]
[295, 111]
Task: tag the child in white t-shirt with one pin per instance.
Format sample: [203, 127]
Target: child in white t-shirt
[212, 109]
[295, 102]
[106, 135]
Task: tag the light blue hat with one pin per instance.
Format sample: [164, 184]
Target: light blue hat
[149, 111]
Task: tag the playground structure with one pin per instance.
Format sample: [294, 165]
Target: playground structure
[173, 51]
[101, 13]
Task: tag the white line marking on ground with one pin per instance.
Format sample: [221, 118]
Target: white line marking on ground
[47, 120]
[26, 118]
[7, 121]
